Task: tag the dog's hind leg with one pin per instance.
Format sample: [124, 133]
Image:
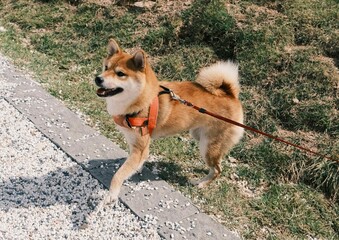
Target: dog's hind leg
[212, 149]
[139, 151]
[212, 157]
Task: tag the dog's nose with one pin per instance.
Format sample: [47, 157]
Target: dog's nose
[99, 80]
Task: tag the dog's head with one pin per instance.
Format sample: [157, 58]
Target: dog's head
[127, 82]
[123, 74]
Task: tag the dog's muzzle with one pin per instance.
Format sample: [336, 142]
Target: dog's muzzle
[106, 92]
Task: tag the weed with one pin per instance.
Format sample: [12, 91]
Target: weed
[304, 219]
[208, 21]
[182, 63]
[160, 40]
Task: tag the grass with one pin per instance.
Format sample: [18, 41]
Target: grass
[288, 56]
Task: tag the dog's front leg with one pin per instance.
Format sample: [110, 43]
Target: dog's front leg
[139, 151]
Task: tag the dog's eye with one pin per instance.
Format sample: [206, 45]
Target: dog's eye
[106, 68]
[120, 74]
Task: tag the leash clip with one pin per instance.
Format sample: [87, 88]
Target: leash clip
[176, 97]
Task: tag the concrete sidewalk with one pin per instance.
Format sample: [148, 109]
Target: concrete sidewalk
[148, 197]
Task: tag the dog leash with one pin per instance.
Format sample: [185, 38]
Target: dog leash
[204, 111]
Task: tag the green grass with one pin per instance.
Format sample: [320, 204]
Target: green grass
[288, 56]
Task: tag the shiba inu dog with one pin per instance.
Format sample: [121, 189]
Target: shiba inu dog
[142, 110]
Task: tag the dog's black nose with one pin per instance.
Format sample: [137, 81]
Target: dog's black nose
[99, 80]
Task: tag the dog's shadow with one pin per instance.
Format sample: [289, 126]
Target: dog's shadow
[168, 171]
[71, 186]
[76, 187]
[153, 171]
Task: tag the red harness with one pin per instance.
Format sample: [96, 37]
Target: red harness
[145, 124]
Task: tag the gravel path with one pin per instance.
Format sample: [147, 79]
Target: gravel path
[46, 195]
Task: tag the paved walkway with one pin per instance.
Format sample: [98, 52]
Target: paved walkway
[54, 171]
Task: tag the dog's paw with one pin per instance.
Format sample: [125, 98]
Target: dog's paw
[201, 183]
[194, 182]
[111, 197]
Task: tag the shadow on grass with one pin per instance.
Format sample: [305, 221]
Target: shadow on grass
[168, 171]
[73, 2]
[174, 173]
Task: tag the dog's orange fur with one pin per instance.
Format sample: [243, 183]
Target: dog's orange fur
[216, 90]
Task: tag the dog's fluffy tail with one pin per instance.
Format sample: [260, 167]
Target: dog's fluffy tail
[220, 78]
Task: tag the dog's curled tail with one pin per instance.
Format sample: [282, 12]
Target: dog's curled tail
[220, 78]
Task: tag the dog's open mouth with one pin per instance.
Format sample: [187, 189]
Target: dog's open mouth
[104, 92]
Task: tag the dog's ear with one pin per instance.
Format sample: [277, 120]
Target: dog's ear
[139, 60]
[113, 48]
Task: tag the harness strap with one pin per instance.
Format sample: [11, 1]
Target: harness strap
[165, 91]
[153, 115]
[145, 124]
